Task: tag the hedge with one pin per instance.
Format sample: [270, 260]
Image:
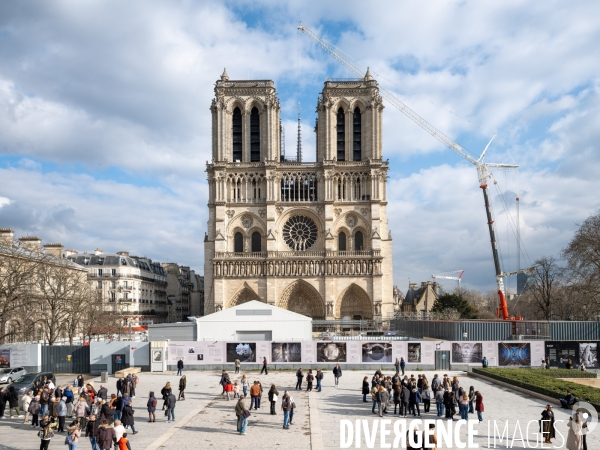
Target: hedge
[546, 382]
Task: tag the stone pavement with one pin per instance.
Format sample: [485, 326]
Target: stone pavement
[207, 420]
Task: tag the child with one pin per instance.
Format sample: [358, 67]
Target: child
[124, 443]
[236, 390]
[228, 388]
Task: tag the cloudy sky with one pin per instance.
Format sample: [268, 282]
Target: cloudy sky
[105, 125]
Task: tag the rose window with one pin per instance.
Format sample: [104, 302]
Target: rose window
[300, 233]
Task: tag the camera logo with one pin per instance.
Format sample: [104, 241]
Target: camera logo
[585, 418]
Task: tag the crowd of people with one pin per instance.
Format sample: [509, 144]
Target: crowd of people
[408, 394]
[102, 418]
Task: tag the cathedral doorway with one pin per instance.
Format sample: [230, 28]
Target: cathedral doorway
[243, 295]
[300, 297]
[355, 303]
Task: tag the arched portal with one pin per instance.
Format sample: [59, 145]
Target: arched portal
[355, 303]
[243, 295]
[300, 297]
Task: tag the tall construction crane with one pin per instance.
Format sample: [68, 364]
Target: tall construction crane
[449, 276]
[482, 168]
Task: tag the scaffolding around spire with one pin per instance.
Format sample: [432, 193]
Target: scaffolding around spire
[299, 143]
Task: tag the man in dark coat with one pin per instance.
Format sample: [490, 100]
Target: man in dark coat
[106, 436]
[171, 401]
[300, 377]
[102, 392]
[337, 373]
[91, 431]
[180, 367]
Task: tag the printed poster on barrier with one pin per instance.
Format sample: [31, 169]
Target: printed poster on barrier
[244, 351]
[286, 352]
[414, 352]
[377, 352]
[467, 352]
[5, 358]
[588, 354]
[516, 355]
[331, 352]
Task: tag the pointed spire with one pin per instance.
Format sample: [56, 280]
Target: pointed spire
[224, 76]
[368, 76]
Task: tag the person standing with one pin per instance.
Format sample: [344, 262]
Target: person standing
[107, 436]
[431, 439]
[127, 417]
[299, 378]
[242, 414]
[61, 412]
[293, 407]
[286, 406]
[575, 434]
[13, 401]
[449, 403]
[46, 433]
[237, 365]
[224, 377]
[264, 367]
[165, 392]
[91, 432]
[245, 385]
[471, 400]
[463, 406]
[74, 433]
[426, 394]
[439, 400]
[337, 374]
[415, 399]
[151, 405]
[484, 362]
[402, 365]
[34, 409]
[479, 405]
[379, 398]
[171, 401]
[309, 380]
[228, 389]
[404, 400]
[547, 425]
[319, 377]
[102, 392]
[397, 404]
[182, 385]
[255, 396]
[180, 367]
[80, 410]
[124, 443]
[365, 388]
[397, 366]
[26, 401]
[273, 393]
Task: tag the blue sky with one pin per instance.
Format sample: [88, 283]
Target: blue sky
[106, 127]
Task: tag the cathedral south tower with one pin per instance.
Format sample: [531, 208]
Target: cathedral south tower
[310, 237]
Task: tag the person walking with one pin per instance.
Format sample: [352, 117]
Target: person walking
[107, 436]
[402, 365]
[293, 407]
[397, 366]
[245, 385]
[319, 377]
[309, 380]
[124, 443]
[102, 392]
[182, 384]
[479, 405]
[273, 393]
[73, 435]
[547, 425]
[286, 406]
[374, 392]
[337, 374]
[237, 365]
[299, 378]
[228, 389]
[180, 367]
[13, 401]
[471, 400]
[264, 367]
[255, 396]
[151, 406]
[26, 401]
[171, 401]
[127, 417]
[365, 388]
[80, 410]
[242, 414]
[236, 390]
[224, 377]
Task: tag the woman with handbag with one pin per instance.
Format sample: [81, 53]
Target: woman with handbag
[73, 435]
[242, 413]
[273, 393]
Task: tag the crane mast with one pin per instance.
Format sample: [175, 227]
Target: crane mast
[482, 168]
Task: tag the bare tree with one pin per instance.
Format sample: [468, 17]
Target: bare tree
[583, 260]
[546, 287]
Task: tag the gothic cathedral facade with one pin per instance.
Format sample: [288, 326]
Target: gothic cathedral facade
[310, 237]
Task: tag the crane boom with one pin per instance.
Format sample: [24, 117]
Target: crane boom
[482, 168]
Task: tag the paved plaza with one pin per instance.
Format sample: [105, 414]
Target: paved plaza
[207, 420]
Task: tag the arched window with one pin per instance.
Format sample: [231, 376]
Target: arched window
[341, 135]
[254, 135]
[358, 241]
[237, 134]
[238, 243]
[256, 242]
[342, 242]
[357, 153]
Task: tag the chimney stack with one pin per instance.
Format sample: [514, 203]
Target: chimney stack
[413, 286]
[55, 250]
[98, 252]
[69, 252]
[7, 236]
[123, 253]
[32, 243]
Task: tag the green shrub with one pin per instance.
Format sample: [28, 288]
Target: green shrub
[546, 382]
